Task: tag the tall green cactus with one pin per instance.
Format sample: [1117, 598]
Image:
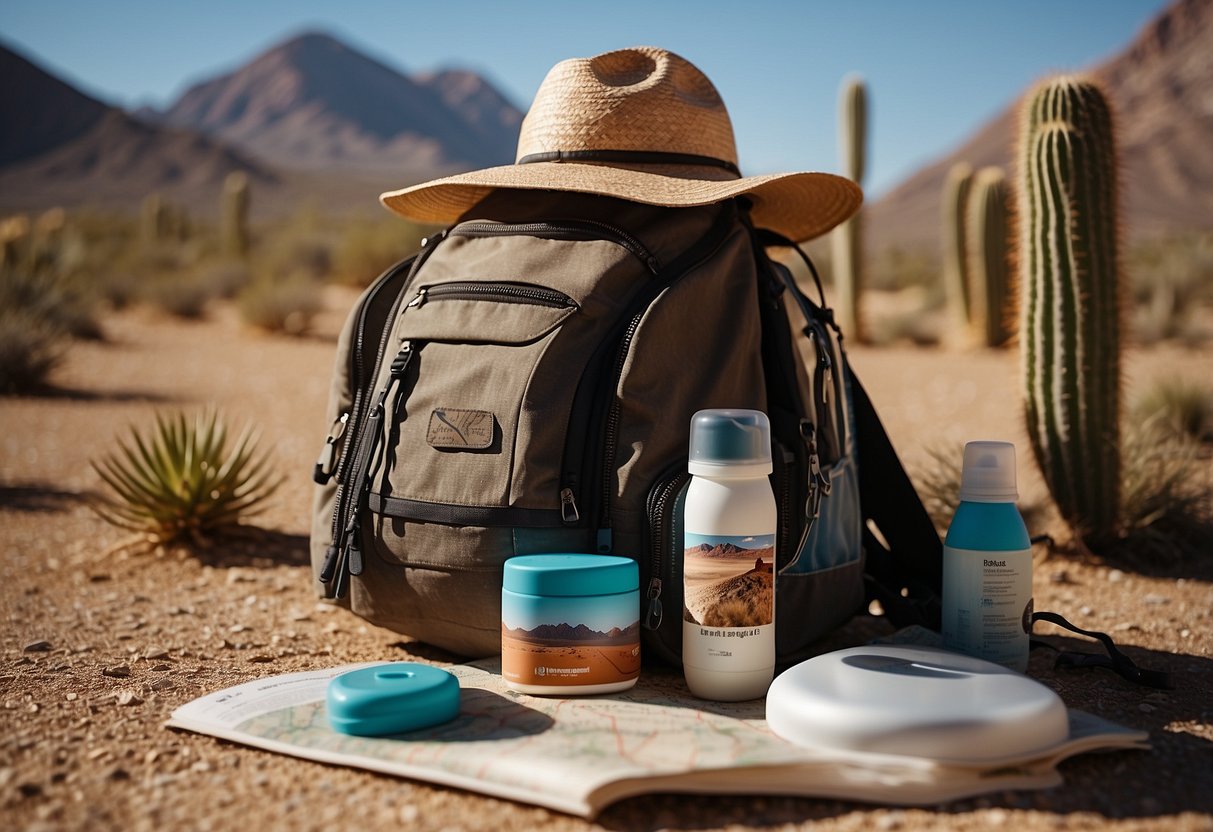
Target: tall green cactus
[986, 232]
[848, 237]
[233, 225]
[1070, 312]
[955, 265]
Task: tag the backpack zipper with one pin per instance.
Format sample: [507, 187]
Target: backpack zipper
[499, 291]
[661, 538]
[356, 431]
[563, 230]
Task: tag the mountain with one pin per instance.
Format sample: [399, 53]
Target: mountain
[728, 550]
[568, 634]
[61, 147]
[315, 103]
[40, 111]
[1159, 86]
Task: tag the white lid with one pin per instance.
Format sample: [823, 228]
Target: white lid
[915, 701]
[988, 475]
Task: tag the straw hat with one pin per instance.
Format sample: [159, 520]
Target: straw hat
[644, 125]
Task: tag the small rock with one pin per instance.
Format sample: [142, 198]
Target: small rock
[38, 647]
[1116, 576]
[161, 684]
[1086, 610]
[30, 789]
[1185, 633]
[237, 577]
[1125, 626]
[1154, 599]
[160, 668]
[119, 773]
[260, 658]
[118, 671]
[32, 708]
[97, 753]
[201, 766]
[891, 820]
[1060, 577]
[128, 697]
[70, 696]
[24, 660]
[237, 628]
[156, 653]
[99, 578]
[250, 601]
[300, 616]
[997, 817]
[409, 815]
[1146, 708]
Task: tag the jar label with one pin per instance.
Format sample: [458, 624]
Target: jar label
[560, 641]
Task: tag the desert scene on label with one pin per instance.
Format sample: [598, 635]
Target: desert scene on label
[570, 654]
[730, 580]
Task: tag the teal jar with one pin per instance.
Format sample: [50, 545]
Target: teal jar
[570, 624]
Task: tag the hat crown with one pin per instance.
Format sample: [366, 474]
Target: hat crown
[638, 99]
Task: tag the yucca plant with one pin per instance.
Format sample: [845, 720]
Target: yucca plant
[185, 481]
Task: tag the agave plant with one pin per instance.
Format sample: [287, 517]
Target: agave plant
[185, 480]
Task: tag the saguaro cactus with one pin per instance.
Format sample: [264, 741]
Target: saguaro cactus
[234, 237]
[986, 232]
[955, 265]
[1070, 308]
[848, 237]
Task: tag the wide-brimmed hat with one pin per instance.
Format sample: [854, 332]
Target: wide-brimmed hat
[644, 125]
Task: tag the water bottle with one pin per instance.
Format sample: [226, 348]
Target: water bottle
[987, 562]
[730, 522]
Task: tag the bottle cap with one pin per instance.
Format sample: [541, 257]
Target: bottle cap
[730, 443]
[988, 475]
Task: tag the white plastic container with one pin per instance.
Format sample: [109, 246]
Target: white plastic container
[730, 523]
[987, 562]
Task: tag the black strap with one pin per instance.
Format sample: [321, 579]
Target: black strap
[904, 570]
[1115, 661]
[638, 157]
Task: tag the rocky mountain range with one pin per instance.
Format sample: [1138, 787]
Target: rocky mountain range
[567, 634]
[308, 118]
[729, 550]
[1160, 90]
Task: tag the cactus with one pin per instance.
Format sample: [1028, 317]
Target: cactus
[1070, 312]
[233, 226]
[848, 237]
[986, 235]
[955, 264]
[151, 221]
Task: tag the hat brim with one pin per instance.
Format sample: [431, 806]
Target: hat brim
[800, 206]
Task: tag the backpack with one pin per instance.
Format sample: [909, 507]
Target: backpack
[525, 384]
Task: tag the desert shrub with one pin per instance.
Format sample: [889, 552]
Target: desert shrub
[738, 612]
[938, 482]
[185, 480]
[1167, 495]
[897, 268]
[281, 305]
[183, 294]
[1183, 408]
[371, 246]
[915, 325]
[62, 300]
[1171, 278]
[30, 347]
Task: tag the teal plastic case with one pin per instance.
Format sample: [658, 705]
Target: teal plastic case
[391, 699]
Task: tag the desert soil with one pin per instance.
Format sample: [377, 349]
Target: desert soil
[99, 648]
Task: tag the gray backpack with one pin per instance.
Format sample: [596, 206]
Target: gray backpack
[525, 384]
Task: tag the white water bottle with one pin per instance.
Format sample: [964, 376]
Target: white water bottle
[987, 562]
[730, 523]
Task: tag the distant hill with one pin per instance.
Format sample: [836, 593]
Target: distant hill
[568, 634]
[1160, 88]
[315, 103]
[61, 147]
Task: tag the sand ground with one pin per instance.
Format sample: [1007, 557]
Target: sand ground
[98, 650]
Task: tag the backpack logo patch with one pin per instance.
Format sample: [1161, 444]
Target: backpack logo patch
[460, 429]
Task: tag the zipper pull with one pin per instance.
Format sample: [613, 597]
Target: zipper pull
[652, 619]
[827, 370]
[419, 298]
[323, 471]
[330, 562]
[354, 556]
[568, 506]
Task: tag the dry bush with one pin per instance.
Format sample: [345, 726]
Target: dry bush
[30, 347]
[1183, 408]
[369, 247]
[1171, 280]
[282, 305]
[740, 612]
[183, 294]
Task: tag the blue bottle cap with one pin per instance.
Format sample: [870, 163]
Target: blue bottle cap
[391, 699]
[570, 575]
[730, 443]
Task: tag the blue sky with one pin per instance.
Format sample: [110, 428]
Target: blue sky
[936, 70]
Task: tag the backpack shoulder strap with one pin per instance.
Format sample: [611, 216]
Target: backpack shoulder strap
[904, 552]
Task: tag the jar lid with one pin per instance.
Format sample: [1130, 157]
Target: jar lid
[391, 699]
[570, 575]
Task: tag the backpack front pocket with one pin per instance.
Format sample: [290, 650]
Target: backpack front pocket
[461, 440]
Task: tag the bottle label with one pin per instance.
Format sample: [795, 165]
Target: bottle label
[987, 604]
[729, 598]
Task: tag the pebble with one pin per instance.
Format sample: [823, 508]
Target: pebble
[1154, 599]
[161, 684]
[128, 697]
[1115, 576]
[1086, 610]
[118, 671]
[1146, 708]
[1185, 633]
[119, 773]
[156, 653]
[260, 658]
[161, 667]
[409, 814]
[38, 647]
[70, 696]
[238, 628]
[99, 578]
